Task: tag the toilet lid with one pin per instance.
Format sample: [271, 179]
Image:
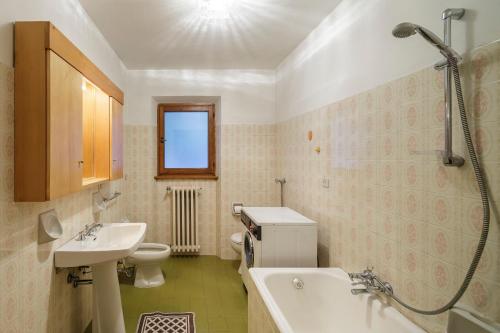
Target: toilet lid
[236, 238]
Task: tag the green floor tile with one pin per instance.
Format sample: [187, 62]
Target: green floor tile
[206, 285]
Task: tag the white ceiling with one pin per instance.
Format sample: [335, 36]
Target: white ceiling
[255, 34]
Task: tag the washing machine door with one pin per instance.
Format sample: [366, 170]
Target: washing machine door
[249, 250]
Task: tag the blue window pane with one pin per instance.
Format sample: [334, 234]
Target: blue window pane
[186, 135]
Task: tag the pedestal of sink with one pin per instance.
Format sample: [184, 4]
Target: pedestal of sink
[112, 242]
[107, 311]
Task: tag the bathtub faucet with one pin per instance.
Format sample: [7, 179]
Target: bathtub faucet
[367, 274]
[371, 282]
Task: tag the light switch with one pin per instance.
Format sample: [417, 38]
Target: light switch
[325, 183]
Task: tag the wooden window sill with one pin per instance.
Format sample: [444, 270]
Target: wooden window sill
[205, 177]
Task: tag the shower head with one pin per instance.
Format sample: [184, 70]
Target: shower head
[403, 30]
[407, 29]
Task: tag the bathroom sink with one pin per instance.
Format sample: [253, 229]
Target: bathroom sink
[112, 242]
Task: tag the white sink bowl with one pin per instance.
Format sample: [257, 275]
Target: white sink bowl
[113, 241]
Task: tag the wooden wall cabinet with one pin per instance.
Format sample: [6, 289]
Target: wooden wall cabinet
[68, 117]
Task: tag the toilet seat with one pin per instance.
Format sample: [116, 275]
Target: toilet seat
[147, 252]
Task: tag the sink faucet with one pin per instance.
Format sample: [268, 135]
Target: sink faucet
[93, 228]
[90, 230]
[372, 283]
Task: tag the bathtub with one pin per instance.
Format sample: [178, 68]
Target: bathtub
[324, 304]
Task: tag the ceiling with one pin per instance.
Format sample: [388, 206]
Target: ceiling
[208, 34]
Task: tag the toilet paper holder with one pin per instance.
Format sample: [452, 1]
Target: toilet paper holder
[236, 208]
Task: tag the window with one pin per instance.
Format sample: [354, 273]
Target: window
[186, 141]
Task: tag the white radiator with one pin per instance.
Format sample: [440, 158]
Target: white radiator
[185, 220]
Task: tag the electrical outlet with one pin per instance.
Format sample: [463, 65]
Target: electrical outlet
[325, 182]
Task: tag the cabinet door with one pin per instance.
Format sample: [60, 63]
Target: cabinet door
[116, 139]
[88, 129]
[101, 135]
[65, 129]
[95, 135]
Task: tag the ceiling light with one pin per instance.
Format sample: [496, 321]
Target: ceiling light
[215, 9]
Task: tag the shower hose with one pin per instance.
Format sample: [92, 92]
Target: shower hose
[484, 198]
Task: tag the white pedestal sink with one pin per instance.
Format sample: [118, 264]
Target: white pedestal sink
[112, 242]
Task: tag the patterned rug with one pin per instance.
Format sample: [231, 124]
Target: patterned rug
[160, 322]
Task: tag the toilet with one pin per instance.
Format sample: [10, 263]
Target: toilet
[147, 259]
[236, 244]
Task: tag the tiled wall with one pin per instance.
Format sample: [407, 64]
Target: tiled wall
[391, 203]
[246, 173]
[249, 166]
[147, 199]
[33, 298]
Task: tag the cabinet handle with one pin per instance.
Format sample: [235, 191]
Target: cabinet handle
[80, 163]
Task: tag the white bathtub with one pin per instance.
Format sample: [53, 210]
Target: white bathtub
[325, 304]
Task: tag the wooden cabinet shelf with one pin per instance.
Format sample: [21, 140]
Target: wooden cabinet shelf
[65, 108]
[87, 182]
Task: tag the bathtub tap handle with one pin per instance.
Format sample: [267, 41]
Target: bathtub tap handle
[359, 291]
[356, 276]
[368, 290]
[367, 274]
[364, 283]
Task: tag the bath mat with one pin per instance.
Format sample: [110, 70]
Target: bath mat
[159, 322]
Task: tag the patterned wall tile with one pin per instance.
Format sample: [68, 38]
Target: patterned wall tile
[247, 168]
[147, 199]
[390, 202]
[35, 298]
[247, 173]
[399, 208]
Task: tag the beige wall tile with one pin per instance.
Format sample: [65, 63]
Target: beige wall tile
[427, 217]
[35, 298]
[246, 172]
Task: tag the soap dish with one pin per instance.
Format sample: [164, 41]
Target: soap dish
[49, 227]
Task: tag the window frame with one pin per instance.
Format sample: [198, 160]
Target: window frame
[186, 173]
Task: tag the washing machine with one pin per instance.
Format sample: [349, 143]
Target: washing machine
[277, 237]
